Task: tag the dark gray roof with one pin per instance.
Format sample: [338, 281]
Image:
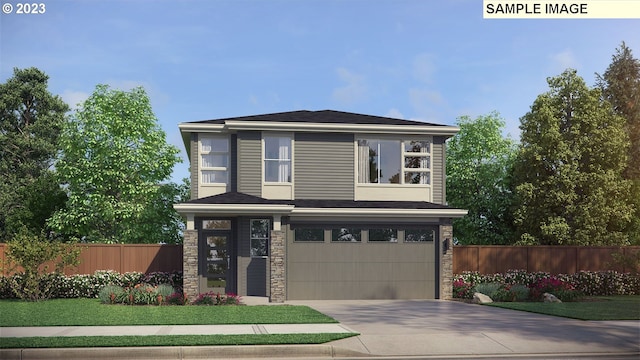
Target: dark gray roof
[242, 198]
[322, 116]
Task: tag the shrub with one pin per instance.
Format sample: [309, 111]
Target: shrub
[176, 299]
[86, 286]
[462, 289]
[518, 292]
[561, 289]
[212, 298]
[489, 289]
[591, 283]
[111, 294]
[34, 254]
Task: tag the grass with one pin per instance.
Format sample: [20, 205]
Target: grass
[593, 308]
[173, 340]
[90, 312]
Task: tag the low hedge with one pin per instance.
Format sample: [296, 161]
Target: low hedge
[88, 286]
[590, 283]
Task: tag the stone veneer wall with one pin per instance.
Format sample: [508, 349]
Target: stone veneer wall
[190, 264]
[277, 265]
[446, 264]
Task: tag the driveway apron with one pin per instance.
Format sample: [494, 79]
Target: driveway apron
[437, 327]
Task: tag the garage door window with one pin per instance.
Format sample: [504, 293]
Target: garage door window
[383, 235]
[419, 235]
[309, 235]
[346, 235]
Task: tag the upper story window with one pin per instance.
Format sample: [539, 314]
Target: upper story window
[383, 161]
[277, 159]
[214, 160]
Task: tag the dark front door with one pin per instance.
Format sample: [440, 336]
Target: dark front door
[216, 261]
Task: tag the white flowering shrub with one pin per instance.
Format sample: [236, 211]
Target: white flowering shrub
[592, 283]
[88, 286]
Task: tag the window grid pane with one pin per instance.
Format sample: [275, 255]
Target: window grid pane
[259, 234]
[385, 235]
[309, 234]
[419, 235]
[346, 235]
[214, 176]
[215, 160]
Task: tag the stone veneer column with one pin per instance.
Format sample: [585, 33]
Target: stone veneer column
[190, 264]
[446, 265]
[277, 262]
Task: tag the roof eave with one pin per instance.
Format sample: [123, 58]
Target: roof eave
[342, 127]
[232, 126]
[378, 212]
[233, 209]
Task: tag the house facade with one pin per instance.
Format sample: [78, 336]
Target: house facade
[318, 205]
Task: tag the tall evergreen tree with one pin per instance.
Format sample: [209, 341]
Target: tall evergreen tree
[479, 170]
[620, 85]
[30, 122]
[569, 168]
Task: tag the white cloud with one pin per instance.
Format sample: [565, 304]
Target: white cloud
[427, 104]
[353, 91]
[394, 113]
[424, 68]
[74, 98]
[563, 60]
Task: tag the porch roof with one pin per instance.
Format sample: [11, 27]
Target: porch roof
[237, 203]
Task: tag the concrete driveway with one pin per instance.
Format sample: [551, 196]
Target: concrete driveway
[449, 328]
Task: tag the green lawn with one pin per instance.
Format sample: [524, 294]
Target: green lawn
[87, 312]
[591, 308]
[173, 340]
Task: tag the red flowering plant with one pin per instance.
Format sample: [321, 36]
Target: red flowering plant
[211, 298]
[462, 289]
[563, 290]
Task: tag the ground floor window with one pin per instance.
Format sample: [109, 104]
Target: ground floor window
[260, 231]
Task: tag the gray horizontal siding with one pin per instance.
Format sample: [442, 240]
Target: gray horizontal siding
[249, 171]
[195, 165]
[324, 166]
[438, 170]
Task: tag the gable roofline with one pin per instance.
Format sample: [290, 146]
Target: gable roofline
[317, 121]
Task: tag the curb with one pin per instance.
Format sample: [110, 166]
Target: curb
[181, 352]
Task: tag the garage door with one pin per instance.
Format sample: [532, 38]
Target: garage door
[325, 268]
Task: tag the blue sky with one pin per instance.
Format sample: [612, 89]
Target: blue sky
[413, 59]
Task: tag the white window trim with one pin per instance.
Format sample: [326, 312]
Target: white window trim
[403, 155]
[427, 154]
[201, 168]
[264, 159]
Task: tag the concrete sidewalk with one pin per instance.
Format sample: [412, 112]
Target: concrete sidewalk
[6, 332]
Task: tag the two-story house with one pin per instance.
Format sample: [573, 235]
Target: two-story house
[317, 205]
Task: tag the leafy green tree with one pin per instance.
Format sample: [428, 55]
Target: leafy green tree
[33, 256]
[30, 122]
[620, 85]
[569, 168]
[479, 169]
[114, 159]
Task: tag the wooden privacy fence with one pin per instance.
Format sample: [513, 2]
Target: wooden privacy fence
[551, 259]
[122, 258]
